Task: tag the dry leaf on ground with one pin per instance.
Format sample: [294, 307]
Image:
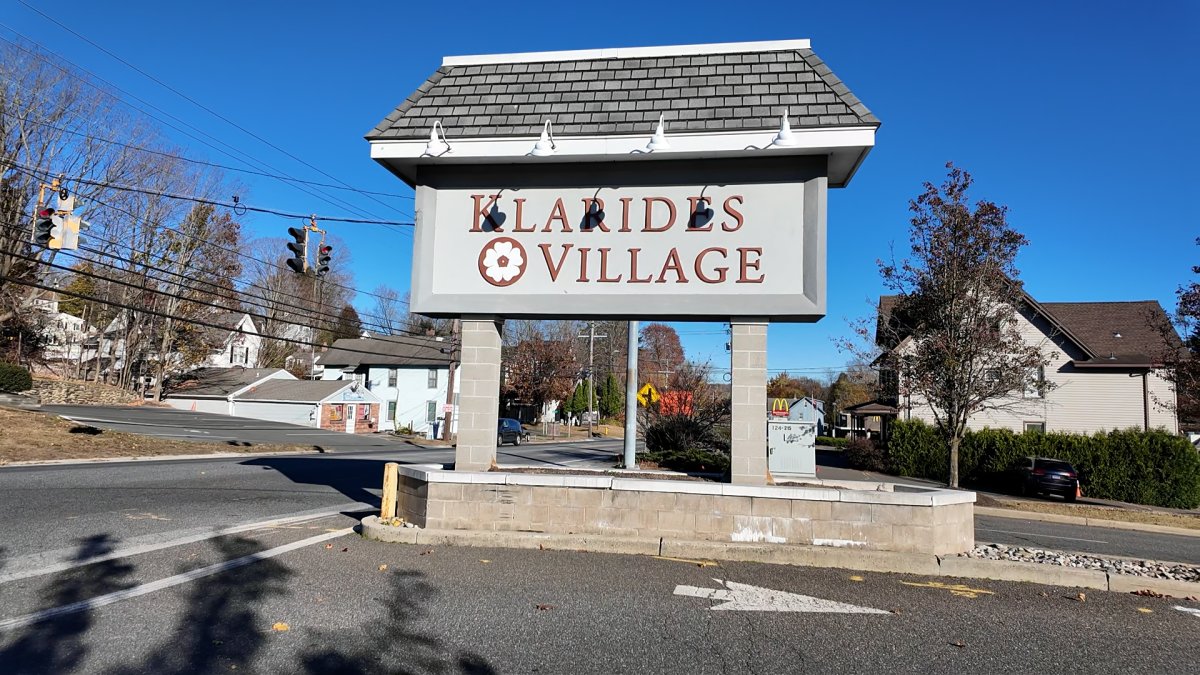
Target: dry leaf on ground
[280, 626]
[543, 608]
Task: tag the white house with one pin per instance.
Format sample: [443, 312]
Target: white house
[66, 337]
[240, 347]
[1104, 371]
[408, 374]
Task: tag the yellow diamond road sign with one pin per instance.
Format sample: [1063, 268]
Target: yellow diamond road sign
[648, 394]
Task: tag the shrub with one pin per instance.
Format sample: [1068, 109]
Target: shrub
[861, 453]
[706, 461]
[1129, 465]
[832, 442]
[679, 433]
[14, 378]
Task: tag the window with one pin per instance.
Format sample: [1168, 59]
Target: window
[364, 411]
[391, 410]
[433, 378]
[1035, 383]
[431, 410]
[1037, 427]
[391, 377]
[336, 412]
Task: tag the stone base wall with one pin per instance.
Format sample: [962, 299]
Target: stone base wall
[65, 392]
[935, 521]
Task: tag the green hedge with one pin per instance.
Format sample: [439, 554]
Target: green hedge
[832, 442]
[1131, 465]
[14, 378]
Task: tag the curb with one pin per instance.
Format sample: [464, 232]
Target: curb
[151, 458]
[920, 564]
[1087, 522]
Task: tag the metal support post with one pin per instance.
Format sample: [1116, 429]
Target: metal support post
[631, 378]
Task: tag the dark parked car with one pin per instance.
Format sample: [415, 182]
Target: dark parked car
[510, 431]
[1040, 475]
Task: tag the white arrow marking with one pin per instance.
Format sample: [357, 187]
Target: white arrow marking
[749, 598]
[1188, 610]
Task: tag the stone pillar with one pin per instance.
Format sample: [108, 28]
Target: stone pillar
[748, 451]
[478, 394]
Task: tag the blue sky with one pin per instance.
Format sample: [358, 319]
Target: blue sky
[1077, 115]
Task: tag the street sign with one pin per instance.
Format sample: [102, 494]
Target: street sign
[749, 598]
[780, 408]
[648, 395]
[447, 407]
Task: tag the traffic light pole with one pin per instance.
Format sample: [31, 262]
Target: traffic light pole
[631, 377]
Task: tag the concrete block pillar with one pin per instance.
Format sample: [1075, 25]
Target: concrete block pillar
[748, 450]
[478, 394]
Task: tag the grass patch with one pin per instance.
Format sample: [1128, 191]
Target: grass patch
[38, 437]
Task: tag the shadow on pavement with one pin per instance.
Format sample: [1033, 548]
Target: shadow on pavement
[354, 478]
[393, 646]
[56, 645]
[221, 629]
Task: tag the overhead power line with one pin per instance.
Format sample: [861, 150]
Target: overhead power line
[249, 162]
[227, 249]
[193, 101]
[164, 315]
[203, 200]
[199, 162]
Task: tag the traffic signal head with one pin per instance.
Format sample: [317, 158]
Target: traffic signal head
[324, 255]
[299, 248]
[47, 228]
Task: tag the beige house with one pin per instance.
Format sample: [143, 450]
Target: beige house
[1104, 371]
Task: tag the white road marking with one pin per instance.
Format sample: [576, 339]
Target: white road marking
[49, 562]
[1188, 610]
[1043, 536]
[745, 597]
[136, 591]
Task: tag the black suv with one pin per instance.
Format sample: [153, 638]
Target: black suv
[1038, 475]
[510, 431]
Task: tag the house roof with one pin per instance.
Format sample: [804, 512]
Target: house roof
[1144, 330]
[1119, 331]
[216, 382]
[301, 391]
[735, 87]
[391, 351]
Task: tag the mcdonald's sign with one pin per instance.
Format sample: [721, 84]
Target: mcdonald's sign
[780, 408]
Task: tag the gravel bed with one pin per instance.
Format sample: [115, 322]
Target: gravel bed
[1137, 568]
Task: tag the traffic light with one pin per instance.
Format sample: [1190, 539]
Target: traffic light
[72, 224]
[299, 248]
[324, 253]
[47, 228]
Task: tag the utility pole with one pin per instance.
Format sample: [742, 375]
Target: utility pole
[591, 337]
[631, 374]
[448, 416]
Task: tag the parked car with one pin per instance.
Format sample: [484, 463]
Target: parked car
[510, 431]
[1042, 475]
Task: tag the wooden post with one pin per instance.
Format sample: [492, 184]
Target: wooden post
[391, 479]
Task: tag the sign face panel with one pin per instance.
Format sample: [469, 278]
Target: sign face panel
[780, 408]
[685, 251]
[648, 395]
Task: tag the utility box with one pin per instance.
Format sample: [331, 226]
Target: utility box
[792, 447]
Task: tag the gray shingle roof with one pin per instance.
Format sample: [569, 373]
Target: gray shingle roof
[307, 391]
[698, 92]
[214, 381]
[1145, 330]
[393, 351]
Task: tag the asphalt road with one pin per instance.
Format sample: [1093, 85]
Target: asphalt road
[310, 598]
[52, 506]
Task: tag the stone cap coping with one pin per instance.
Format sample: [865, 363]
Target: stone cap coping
[871, 495]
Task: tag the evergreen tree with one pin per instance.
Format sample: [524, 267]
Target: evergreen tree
[612, 397]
